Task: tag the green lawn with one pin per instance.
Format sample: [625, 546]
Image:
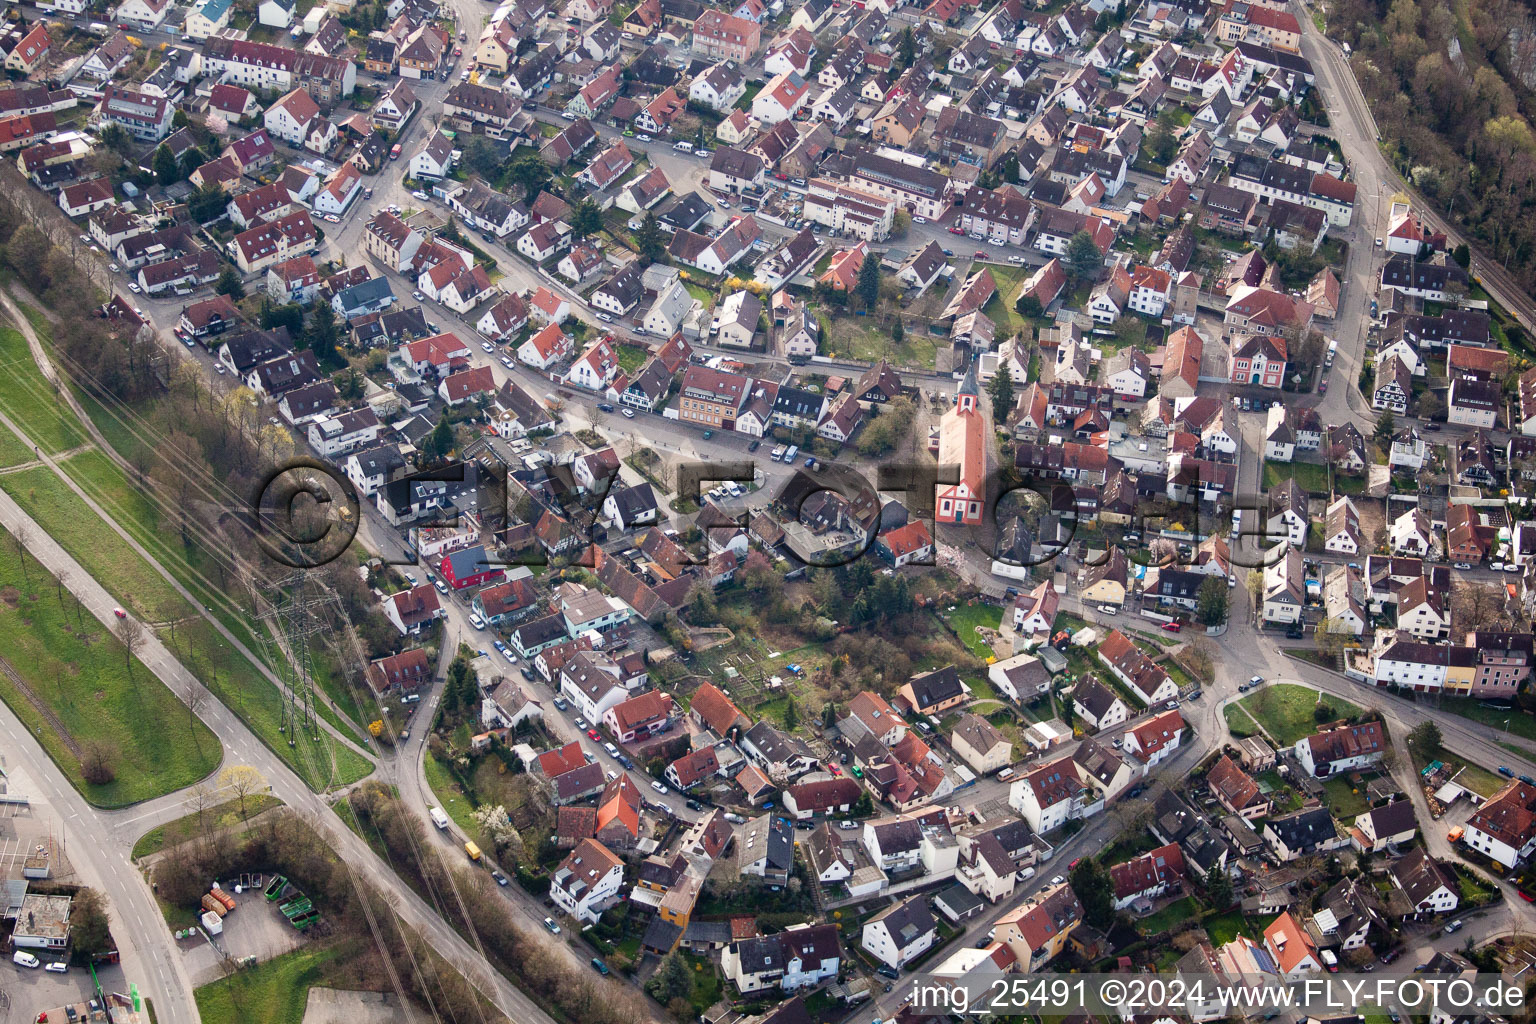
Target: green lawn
[1285, 710]
[632, 357]
[1239, 723]
[49, 500]
[1225, 927]
[226, 672]
[1312, 477]
[701, 293]
[174, 833]
[1520, 723]
[1169, 916]
[966, 617]
[1000, 307]
[274, 992]
[82, 691]
[449, 796]
[1344, 799]
[29, 400]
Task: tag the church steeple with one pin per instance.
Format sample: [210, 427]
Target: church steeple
[969, 393]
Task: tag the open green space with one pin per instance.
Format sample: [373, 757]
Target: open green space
[632, 357]
[966, 617]
[223, 669]
[1345, 799]
[1172, 914]
[276, 992]
[174, 833]
[450, 797]
[1312, 477]
[999, 309]
[1225, 927]
[1512, 720]
[30, 401]
[68, 679]
[1285, 710]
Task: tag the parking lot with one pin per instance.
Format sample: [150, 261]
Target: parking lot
[32, 990]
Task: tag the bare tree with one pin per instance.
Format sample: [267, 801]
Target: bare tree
[195, 697]
[243, 781]
[19, 539]
[130, 633]
[200, 799]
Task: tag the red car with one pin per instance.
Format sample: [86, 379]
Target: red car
[834, 769]
[980, 255]
[956, 231]
[1172, 627]
[593, 734]
[1322, 387]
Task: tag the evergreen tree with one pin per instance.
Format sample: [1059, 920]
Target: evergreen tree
[166, 170]
[1211, 602]
[791, 715]
[1084, 261]
[868, 287]
[1095, 892]
[207, 203]
[649, 239]
[672, 980]
[440, 441]
[586, 219]
[1385, 426]
[1000, 388]
[898, 332]
[906, 49]
[229, 283]
[531, 173]
[1219, 888]
[320, 335]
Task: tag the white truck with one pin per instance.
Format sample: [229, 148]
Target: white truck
[439, 818]
[1333, 350]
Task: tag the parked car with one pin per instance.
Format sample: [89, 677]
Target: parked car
[56, 967]
[1505, 771]
[22, 958]
[658, 787]
[599, 966]
[628, 413]
[551, 927]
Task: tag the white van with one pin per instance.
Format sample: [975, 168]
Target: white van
[439, 818]
[22, 958]
[684, 147]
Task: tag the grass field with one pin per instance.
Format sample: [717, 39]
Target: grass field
[79, 689]
[1225, 927]
[28, 399]
[1344, 800]
[1000, 307]
[174, 833]
[275, 992]
[1169, 916]
[223, 669]
[966, 617]
[449, 796]
[1285, 710]
[1312, 478]
[1520, 723]
[632, 357]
